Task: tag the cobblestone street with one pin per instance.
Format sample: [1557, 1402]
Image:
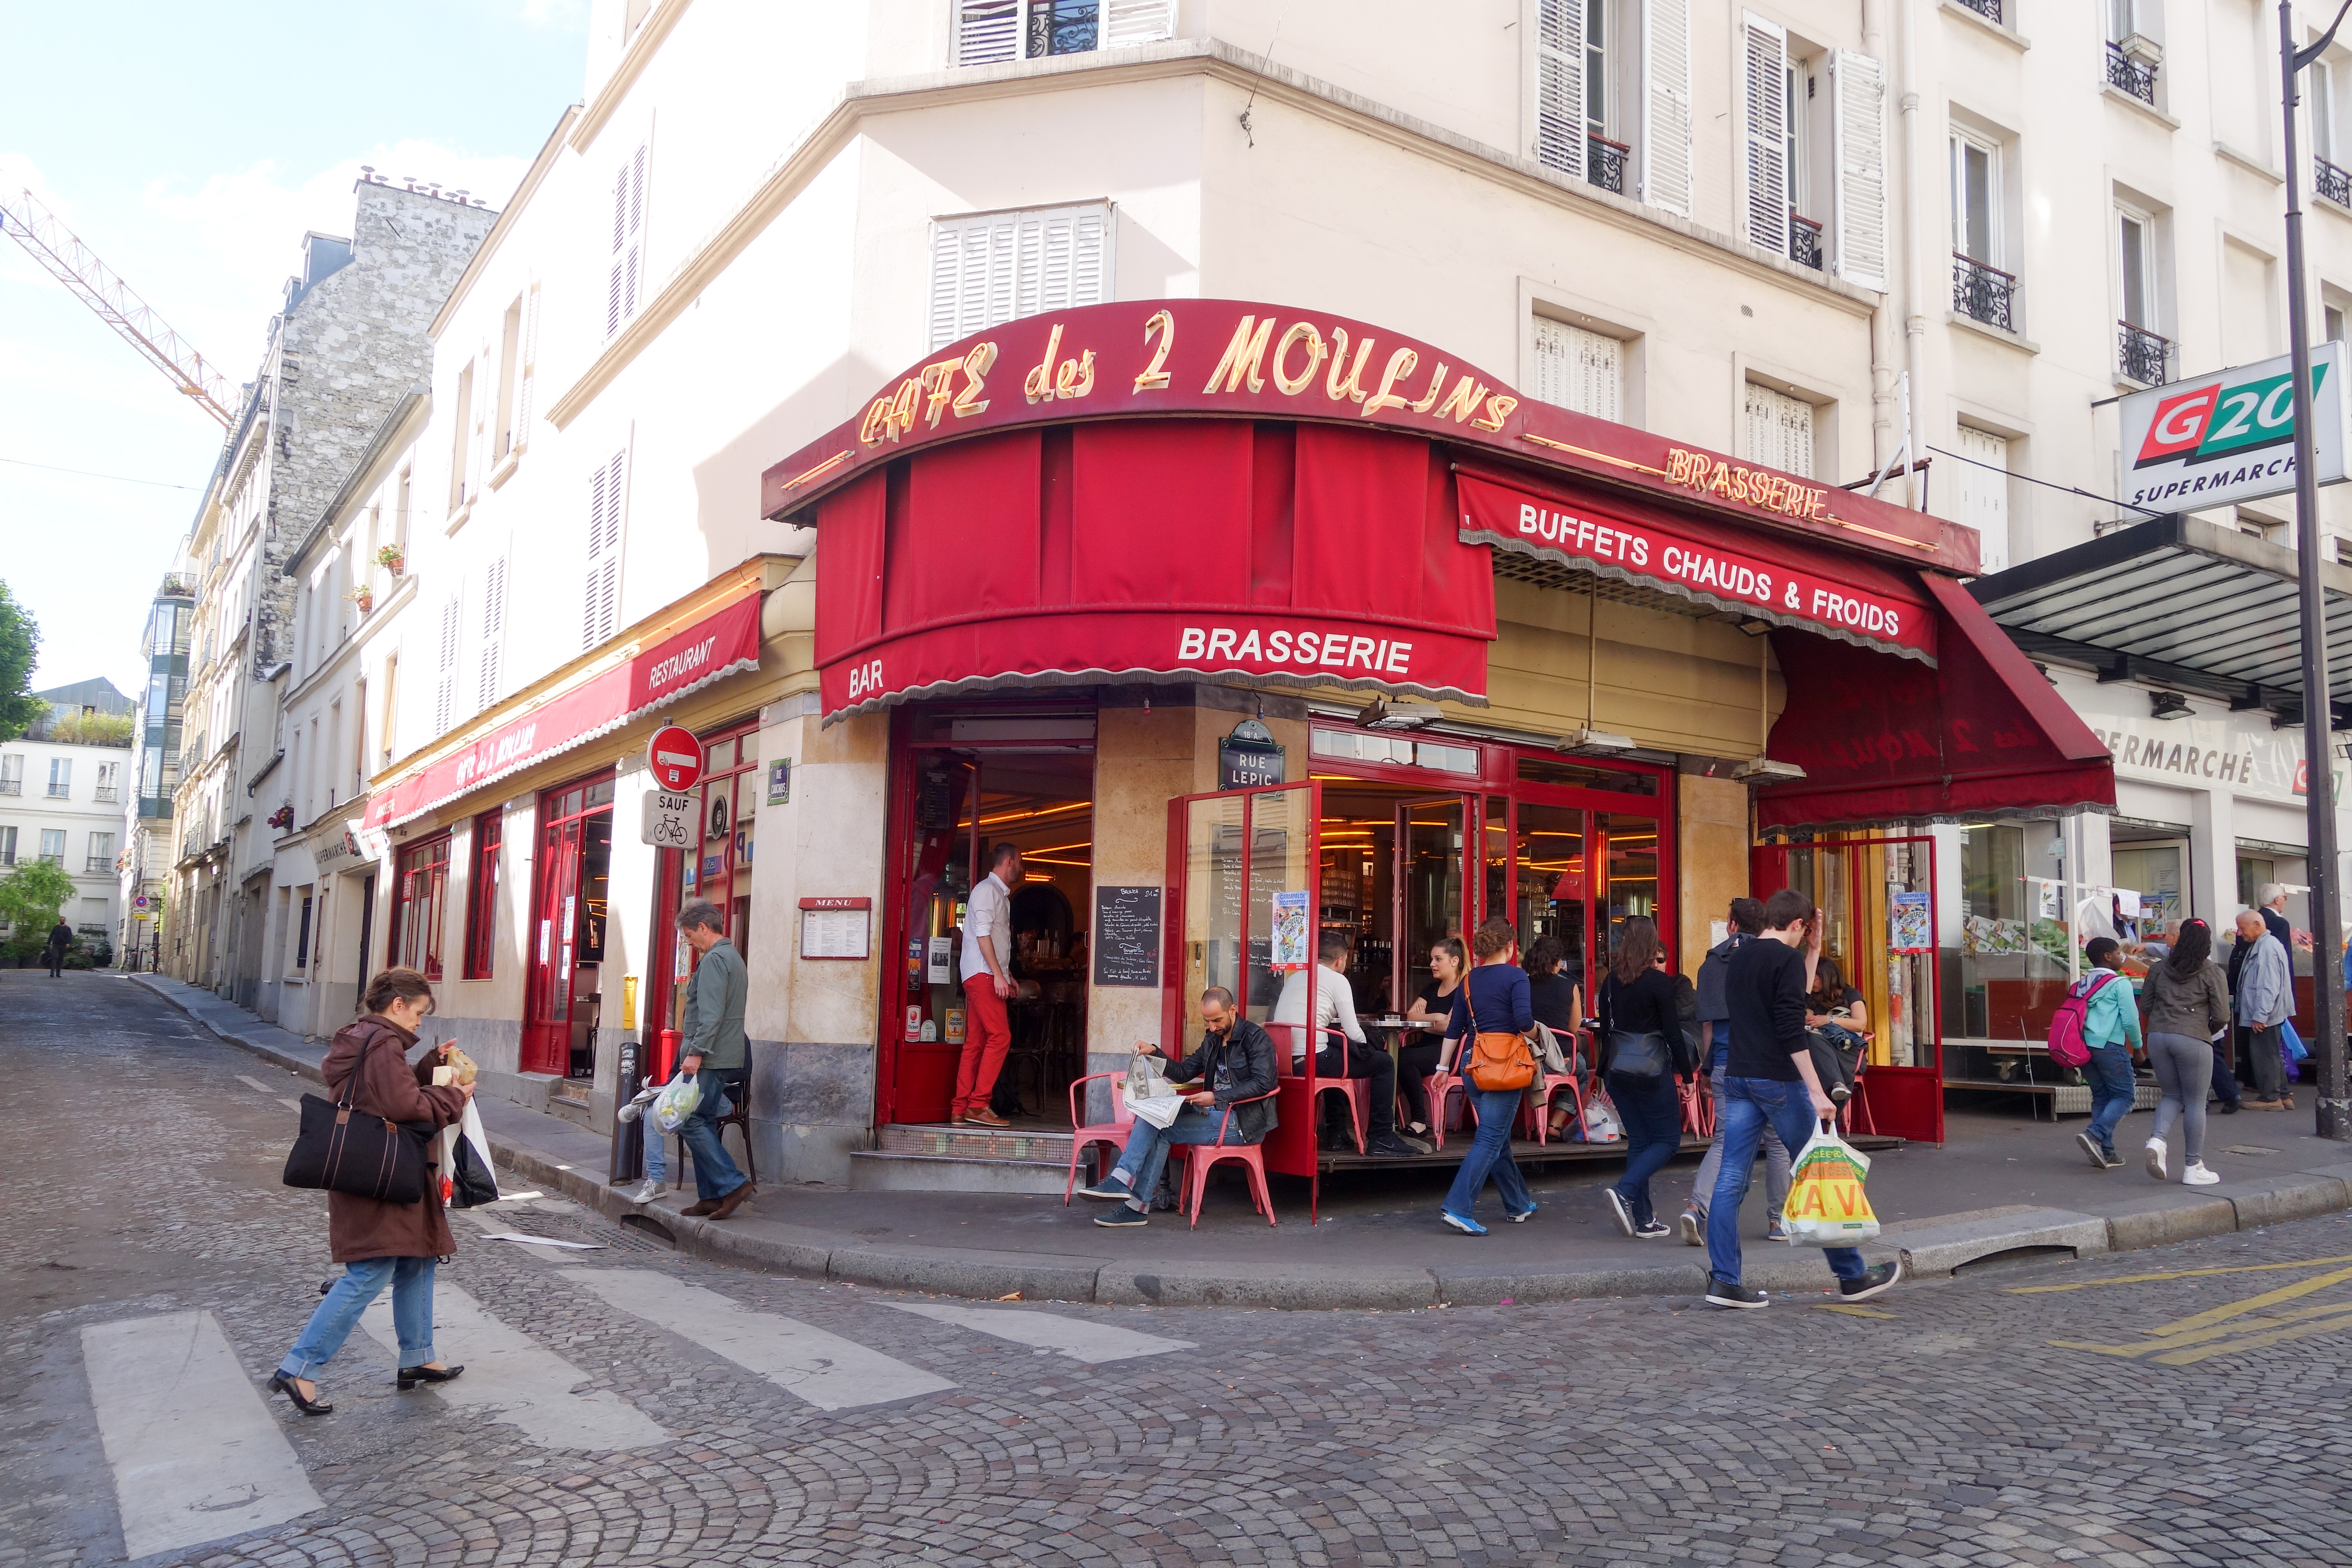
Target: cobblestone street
[2180, 1406]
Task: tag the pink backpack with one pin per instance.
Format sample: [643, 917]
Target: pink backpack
[2069, 1045]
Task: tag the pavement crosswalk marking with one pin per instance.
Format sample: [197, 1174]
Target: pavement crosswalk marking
[508, 1377]
[195, 1454]
[1076, 1338]
[2229, 1330]
[2172, 1274]
[825, 1370]
[255, 1084]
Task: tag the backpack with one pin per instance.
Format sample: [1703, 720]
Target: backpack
[2069, 1040]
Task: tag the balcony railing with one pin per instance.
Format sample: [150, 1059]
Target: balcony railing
[2131, 76]
[1804, 242]
[1989, 9]
[1984, 294]
[12, 786]
[2331, 182]
[61, 791]
[93, 863]
[107, 794]
[1604, 164]
[2141, 355]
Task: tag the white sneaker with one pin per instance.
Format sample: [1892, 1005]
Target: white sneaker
[635, 1108]
[2156, 1158]
[2196, 1176]
[646, 1191]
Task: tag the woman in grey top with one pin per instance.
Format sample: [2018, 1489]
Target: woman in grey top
[2188, 1001]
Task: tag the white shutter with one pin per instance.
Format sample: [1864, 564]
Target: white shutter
[1858, 122]
[1980, 492]
[1779, 431]
[991, 268]
[494, 630]
[1577, 369]
[1665, 150]
[1766, 118]
[444, 681]
[622, 281]
[1560, 85]
[1137, 22]
[530, 368]
[601, 600]
[987, 31]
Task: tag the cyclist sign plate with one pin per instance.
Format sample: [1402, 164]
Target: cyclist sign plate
[670, 820]
[2229, 436]
[676, 758]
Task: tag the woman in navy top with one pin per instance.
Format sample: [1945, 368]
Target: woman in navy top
[1495, 998]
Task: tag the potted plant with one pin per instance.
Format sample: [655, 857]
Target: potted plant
[391, 558]
[363, 597]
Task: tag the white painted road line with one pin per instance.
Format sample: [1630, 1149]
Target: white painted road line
[290, 1104]
[195, 1453]
[825, 1370]
[510, 1378]
[254, 1083]
[1073, 1337]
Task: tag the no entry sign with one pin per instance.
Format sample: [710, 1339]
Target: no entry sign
[675, 757]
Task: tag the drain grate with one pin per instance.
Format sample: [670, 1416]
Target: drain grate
[570, 1228]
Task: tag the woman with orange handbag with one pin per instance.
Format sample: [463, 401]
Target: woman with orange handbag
[1492, 1012]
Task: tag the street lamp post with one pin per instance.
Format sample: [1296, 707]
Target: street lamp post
[2334, 1115]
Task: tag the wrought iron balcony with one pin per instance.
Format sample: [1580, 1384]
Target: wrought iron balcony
[91, 864]
[2331, 182]
[12, 786]
[2141, 355]
[1604, 164]
[61, 791]
[1804, 242]
[1989, 9]
[2132, 76]
[1984, 294]
[106, 794]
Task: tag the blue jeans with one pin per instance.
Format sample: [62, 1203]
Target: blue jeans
[1750, 1105]
[714, 1174]
[411, 1279]
[1490, 1154]
[2112, 1092]
[1653, 1115]
[1146, 1155]
[658, 1145]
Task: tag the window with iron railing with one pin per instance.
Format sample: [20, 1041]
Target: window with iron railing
[2136, 78]
[1604, 164]
[2331, 182]
[2142, 355]
[1984, 293]
[1804, 242]
[1990, 10]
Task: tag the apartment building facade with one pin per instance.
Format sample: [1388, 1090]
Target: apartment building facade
[149, 847]
[62, 784]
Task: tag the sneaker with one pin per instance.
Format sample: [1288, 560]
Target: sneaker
[1776, 1231]
[1732, 1293]
[2098, 1157]
[1621, 1209]
[636, 1108]
[1693, 1225]
[1652, 1230]
[1392, 1146]
[645, 1191]
[1525, 1215]
[2230, 1107]
[1462, 1223]
[1124, 1215]
[2156, 1158]
[2114, 1161]
[1111, 1189]
[2198, 1176]
[1877, 1280]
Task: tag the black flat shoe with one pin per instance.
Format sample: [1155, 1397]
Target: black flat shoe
[284, 1385]
[410, 1376]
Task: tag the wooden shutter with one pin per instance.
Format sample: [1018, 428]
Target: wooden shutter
[991, 268]
[987, 31]
[601, 616]
[1980, 492]
[1779, 431]
[1560, 85]
[1577, 369]
[1858, 127]
[530, 368]
[494, 630]
[444, 668]
[1137, 22]
[1665, 150]
[623, 280]
[1766, 118]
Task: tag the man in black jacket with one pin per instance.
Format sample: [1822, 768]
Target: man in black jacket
[60, 943]
[1236, 1061]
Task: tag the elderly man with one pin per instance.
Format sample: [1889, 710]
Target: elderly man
[1236, 1061]
[713, 1048]
[2263, 997]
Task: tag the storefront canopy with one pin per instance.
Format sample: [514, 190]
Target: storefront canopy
[1889, 740]
[2180, 601]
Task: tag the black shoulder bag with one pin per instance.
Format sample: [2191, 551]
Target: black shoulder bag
[346, 1150]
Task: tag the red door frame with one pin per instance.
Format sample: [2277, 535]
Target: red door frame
[669, 889]
[555, 867]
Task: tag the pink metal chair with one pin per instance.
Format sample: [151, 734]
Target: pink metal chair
[1540, 1103]
[1199, 1158]
[1113, 1132]
[1438, 1087]
[1358, 1091]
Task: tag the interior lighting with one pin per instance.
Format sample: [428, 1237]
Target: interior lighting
[1765, 770]
[1595, 744]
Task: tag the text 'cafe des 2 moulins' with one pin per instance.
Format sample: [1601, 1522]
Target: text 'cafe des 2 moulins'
[1247, 622]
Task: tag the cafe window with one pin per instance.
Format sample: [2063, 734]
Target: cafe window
[416, 905]
[482, 895]
[1584, 775]
[1395, 750]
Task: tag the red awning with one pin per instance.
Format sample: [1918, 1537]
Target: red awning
[718, 646]
[1772, 577]
[1889, 740]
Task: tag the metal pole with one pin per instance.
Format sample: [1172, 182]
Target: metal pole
[2318, 708]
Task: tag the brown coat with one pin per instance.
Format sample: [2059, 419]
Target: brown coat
[361, 1229]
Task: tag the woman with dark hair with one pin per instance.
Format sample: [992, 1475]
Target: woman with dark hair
[2187, 1002]
[381, 1244]
[1836, 1008]
[1640, 1018]
[1448, 962]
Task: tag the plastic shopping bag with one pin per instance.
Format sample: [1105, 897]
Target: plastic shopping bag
[467, 1179]
[677, 1101]
[1826, 1205]
[1600, 1124]
[2291, 1042]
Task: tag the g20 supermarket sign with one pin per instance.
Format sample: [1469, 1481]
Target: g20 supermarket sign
[2230, 437]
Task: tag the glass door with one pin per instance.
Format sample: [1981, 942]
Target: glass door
[563, 993]
[1431, 876]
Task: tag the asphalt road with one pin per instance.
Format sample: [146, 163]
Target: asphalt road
[624, 1406]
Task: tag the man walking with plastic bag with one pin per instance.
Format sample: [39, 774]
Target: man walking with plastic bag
[714, 1056]
[1769, 1081]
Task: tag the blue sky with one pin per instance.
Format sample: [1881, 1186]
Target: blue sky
[191, 146]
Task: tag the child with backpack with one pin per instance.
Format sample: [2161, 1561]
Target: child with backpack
[2096, 1028]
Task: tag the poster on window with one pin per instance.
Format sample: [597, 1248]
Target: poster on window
[1908, 926]
[1291, 934]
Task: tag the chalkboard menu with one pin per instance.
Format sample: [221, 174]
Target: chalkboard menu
[1126, 937]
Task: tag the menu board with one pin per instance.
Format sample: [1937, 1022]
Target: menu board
[1127, 936]
[836, 928]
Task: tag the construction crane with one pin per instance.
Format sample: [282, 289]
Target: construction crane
[76, 266]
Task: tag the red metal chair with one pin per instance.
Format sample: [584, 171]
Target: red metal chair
[1697, 1103]
[1855, 1115]
[1199, 1158]
[1438, 1086]
[1358, 1091]
[1113, 1132]
[1539, 1104]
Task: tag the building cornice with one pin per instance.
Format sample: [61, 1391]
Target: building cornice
[651, 33]
[508, 216]
[1210, 58]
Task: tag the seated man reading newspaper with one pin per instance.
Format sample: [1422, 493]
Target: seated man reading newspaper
[1236, 1061]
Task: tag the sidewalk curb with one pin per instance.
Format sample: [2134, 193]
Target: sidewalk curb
[1931, 1249]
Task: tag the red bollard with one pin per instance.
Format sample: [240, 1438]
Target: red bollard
[664, 1056]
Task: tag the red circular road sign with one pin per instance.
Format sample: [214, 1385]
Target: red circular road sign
[675, 757]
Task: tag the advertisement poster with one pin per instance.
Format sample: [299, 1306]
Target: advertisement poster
[1909, 927]
[1291, 943]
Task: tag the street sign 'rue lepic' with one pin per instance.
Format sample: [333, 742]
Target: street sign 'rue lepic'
[2229, 436]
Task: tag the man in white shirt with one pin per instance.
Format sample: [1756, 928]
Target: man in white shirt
[987, 984]
[1344, 1053]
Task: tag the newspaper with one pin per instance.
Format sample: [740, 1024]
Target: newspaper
[1150, 1096]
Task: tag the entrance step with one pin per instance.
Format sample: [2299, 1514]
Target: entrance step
[1036, 1145]
[875, 1170]
[568, 1098]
